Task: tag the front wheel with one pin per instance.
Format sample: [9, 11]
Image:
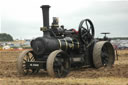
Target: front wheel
[25, 57]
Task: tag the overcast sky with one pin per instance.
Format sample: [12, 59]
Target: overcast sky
[23, 18]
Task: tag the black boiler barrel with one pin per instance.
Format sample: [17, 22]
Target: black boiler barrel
[46, 45]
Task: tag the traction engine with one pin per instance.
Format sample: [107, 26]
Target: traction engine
[61, 50]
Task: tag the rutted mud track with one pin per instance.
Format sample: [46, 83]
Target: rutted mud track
[8, 72]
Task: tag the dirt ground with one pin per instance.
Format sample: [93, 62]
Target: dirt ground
[117, 75]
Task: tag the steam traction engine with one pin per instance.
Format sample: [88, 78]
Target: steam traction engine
[60, 50]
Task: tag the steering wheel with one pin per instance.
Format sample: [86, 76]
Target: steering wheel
[86, 31]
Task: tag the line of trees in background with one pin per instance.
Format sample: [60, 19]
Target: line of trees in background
[5, 37]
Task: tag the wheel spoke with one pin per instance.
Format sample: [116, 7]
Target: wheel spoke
[32, 58]
[106, 60]
[104, 54]
[57, 64]
[58, 73]
[86, 24]
[88, 31]
[27, 57]
[24, 60]
[84, 35]
[84, 28]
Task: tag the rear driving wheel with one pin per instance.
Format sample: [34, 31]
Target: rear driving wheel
[25, 56]
[58, 64]
[103, 54]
